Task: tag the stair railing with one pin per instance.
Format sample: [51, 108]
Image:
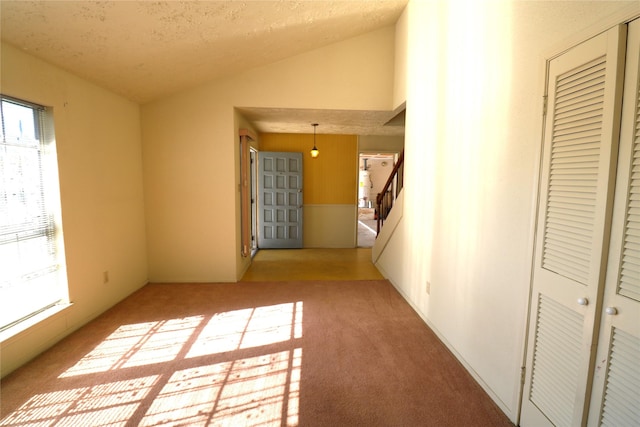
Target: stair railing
[385, 199]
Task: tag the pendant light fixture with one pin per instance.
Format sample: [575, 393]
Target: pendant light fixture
[314, 151]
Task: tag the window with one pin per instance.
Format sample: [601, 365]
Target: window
[30, 258]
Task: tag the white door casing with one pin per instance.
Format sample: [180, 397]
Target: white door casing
[575, 198]
[254, 198]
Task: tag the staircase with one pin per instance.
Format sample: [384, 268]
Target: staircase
[390, 191]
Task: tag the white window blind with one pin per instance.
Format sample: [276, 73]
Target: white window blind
[28, 254]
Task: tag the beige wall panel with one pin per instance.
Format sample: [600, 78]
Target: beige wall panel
[329, 226]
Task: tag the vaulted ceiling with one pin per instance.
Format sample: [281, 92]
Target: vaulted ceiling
[145, 50]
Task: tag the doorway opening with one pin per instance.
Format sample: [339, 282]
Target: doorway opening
[373, 173]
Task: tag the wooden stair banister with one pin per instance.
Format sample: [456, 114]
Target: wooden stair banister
[384, 199]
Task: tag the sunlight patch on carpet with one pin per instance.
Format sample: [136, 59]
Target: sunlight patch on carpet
[260, 391]
[249, 328]
[137, 345]
[256, 380]
[111, 403]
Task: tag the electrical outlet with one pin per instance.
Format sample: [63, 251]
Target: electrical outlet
[428, 287]
[105, 277]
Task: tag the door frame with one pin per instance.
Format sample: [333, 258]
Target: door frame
[253, 192]
[393, 155]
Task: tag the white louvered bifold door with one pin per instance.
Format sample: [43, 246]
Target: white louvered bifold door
[575, 200]
[616, 387]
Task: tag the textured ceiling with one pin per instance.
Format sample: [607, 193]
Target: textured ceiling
[145, 50]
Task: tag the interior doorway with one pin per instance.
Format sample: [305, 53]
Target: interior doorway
[373, 172]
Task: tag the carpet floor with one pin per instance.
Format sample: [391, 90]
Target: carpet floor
[308, 353]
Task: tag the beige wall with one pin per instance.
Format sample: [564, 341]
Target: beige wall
[100, 170]
[474, 84]
[191, 154]
[400, 60]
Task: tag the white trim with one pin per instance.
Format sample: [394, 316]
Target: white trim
[533, 232]
[9, 334]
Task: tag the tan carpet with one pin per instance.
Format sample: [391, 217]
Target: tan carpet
[309, 353]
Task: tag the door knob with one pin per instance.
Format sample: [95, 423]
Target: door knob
[583, 301]
[611, 311]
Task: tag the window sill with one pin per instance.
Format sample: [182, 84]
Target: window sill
[33, 321]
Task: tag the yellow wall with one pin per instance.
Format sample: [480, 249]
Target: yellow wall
[100, 173]
[331, 177]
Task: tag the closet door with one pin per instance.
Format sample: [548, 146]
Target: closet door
[574, 213]
[616, 390]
